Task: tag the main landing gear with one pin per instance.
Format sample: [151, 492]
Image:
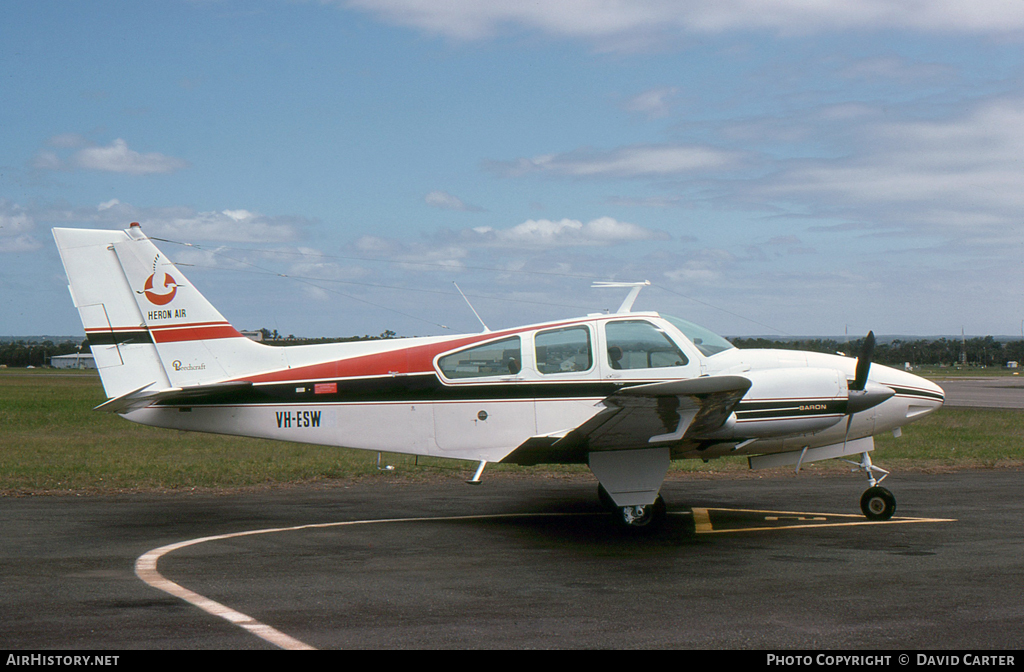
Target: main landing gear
[877, 503]
[645, 518]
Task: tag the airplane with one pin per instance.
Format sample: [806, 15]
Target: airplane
[623, 392]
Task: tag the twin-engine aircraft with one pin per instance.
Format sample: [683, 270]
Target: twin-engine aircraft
[624, 393]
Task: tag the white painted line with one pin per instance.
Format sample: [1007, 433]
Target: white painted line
[145, 566]
[145, 569]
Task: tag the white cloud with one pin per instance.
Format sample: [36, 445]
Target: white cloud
[655, 103]
[24, 243]
[238, 226]
[238, 215]
[16, 225]
[14, 218]
[179, 223]
[374, 245]
[631, 161]
[895, 68]
[47, 160]
[118, 158]
[566, 232]
[949, 173]
[616, 24]
[445, 201]
[707, 266]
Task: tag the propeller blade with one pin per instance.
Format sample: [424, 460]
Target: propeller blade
[863, 395]
[860, 380]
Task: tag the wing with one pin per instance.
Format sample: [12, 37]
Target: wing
[642, 416]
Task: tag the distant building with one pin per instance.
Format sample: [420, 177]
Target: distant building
[81, 360]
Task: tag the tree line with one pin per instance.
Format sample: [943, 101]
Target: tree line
[975, 351]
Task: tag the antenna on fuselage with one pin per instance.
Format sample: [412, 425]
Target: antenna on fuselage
[635, 287]
[486, 329]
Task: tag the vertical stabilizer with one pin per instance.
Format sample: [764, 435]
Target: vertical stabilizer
[121, 345]
[147, 325]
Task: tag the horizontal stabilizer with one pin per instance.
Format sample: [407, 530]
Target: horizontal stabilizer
[141, 398]
[128, 401]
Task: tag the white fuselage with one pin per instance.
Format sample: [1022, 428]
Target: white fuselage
[397, 396]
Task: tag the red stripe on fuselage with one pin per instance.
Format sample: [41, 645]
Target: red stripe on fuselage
[411, 360]
[417, 359]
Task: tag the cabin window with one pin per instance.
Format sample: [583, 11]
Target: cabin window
[497, 358]
[707, 342]
[636, 344]
[564, 350]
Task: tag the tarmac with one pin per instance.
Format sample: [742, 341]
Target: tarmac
[776, 562]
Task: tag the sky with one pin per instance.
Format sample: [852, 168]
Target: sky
[346, 167]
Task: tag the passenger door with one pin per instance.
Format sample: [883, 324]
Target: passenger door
[481, 412]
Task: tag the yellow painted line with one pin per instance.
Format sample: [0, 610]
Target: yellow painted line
[702, 520]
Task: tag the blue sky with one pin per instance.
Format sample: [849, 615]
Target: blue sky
[770, 166]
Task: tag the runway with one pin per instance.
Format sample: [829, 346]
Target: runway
[994, 392]
[524, 562]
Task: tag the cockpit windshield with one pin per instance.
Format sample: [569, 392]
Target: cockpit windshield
[708, 342]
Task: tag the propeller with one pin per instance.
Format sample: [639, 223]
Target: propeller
[860, 379]
[863, 394]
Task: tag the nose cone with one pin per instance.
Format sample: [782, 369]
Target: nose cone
[918, 395]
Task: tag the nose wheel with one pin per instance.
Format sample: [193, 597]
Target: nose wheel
[877, 503]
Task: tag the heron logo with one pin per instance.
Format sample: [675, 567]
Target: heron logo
[164, 298]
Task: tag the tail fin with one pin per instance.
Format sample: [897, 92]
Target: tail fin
[148, 327]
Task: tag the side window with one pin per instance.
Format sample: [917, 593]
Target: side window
[497, 358]
[636, 344]
[564, 350]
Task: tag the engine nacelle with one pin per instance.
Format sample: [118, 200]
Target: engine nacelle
[784, 402]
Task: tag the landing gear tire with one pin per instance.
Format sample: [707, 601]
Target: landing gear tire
[877, 503]
[642, 518]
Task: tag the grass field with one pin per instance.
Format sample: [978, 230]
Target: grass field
[52, 441]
